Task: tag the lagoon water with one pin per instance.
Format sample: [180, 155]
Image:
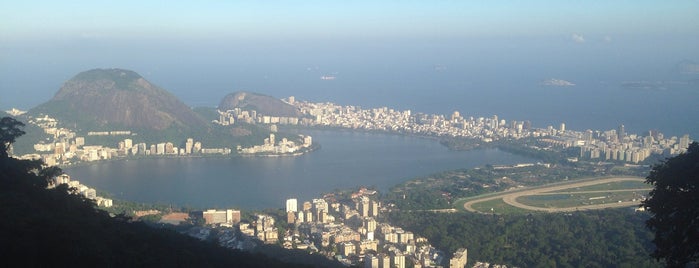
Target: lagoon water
[346, 160]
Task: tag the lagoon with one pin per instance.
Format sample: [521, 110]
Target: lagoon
[345, 160]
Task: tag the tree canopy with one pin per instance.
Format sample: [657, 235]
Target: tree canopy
[673, 206]
[10, 129]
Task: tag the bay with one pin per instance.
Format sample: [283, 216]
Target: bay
[345, 160]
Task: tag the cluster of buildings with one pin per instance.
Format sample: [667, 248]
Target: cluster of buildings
[349, 232]
[229, 117]
[353, 233]
[272, 146]
[385, 119]
[75, 187]
[619, 146]
[66, 147]
[615, 145]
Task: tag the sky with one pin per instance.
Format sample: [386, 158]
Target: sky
[385, 51]
[131, 20]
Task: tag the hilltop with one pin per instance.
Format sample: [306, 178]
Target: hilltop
[101, 98]
[263, 104]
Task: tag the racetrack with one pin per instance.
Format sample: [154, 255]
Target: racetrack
[510, 197]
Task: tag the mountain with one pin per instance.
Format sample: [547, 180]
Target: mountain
[264, 105]
[118, 98]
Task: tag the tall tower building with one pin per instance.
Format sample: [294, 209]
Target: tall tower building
[621, 133]
[562, 128]
[364, 206]
[684, 142]
[291, 205]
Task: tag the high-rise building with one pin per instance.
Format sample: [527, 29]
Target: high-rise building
[307, 141]
[384, 260]
[562, 128]
[290, 217]
[684, 142]
[188, 146]
[621, 132]
[169, 148]
[161, 148]
[371, 261]
[374, 208]
[291, 205]
[369, 224]
[364, 206]
[459, 259]
[397, 259]
[213, 216]
[79, 141]
[141, 148]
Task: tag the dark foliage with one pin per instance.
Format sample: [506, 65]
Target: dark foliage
[10, 129]
[673, 205]
[605, 238]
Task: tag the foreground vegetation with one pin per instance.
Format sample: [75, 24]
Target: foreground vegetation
[603, 238]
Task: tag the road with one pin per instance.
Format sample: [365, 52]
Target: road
[510, 197]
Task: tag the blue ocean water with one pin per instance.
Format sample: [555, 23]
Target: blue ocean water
[476, 76]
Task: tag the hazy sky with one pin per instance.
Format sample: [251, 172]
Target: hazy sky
[131, 20]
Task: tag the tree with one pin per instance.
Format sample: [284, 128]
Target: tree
[674, 210]
[10, 129]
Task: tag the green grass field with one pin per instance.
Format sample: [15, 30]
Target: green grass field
[499, 207]
[609, 186]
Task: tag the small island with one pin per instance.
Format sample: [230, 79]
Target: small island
[285, 147]
[557, 83]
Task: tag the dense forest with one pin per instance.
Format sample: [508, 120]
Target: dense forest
[604, 238]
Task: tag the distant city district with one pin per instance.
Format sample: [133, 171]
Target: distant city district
[615, 144]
